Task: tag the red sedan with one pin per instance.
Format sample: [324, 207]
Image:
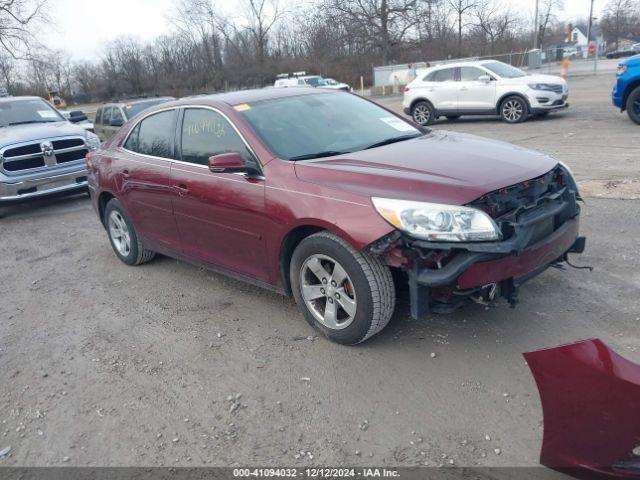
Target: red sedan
[334, 199]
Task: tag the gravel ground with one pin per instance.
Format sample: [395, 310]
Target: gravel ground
[169, 364]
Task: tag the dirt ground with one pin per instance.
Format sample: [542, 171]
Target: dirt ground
[168, 364]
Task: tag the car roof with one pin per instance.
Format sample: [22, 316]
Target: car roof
[250, 96]
[26, 97]
[134, 101]
[467, 63]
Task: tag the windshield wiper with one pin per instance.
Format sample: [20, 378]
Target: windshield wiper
[309, 156]
[27, 121]
[389, 141]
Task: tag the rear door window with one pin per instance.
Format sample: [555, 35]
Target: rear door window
[106, 116]
[154, 135]
[116, 115]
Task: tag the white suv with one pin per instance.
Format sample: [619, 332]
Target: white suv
[484, 87]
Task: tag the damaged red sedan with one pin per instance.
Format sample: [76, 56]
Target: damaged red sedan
[335, 200]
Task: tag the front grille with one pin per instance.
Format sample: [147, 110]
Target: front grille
[41, 154]
[67, 143]
[24, 164]
[508, 206]
[506, 200]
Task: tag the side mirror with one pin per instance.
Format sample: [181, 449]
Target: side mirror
[227, 163]
[484, 78]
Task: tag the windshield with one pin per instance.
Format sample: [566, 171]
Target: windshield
[132, 109]
[23, 111]
[314, 81]
[503, 70]
[312, 126]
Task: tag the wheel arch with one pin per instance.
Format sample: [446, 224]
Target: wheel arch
[631, 88]
[420, 99]
[512, 94]
[295, 235]
[103, 199]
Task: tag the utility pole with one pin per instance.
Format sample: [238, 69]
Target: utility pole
[536, 27]
[589, 28]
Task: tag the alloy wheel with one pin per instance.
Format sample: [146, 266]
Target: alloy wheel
[119, 233]
[513, 110]
[422, 114]
[328, 292]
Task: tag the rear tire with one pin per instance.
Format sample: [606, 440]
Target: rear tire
[347, 295]
[423, 113]
[123, 237]
[514, 109]
[633, 105]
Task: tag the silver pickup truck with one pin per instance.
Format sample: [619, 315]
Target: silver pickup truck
[41, 152]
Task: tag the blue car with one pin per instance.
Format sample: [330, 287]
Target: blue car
[626, 93]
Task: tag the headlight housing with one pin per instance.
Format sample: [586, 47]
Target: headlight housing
[92, 141]
[541, 86]
[622, 69]
[437, 222]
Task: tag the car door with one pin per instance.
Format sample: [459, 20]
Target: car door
[220, 216]
[441, 89]
[475, 94]
[144, 168]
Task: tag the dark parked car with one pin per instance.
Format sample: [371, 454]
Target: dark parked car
[111, 116]
[323, 194]
[625, 52]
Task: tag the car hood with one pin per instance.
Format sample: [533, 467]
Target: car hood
[38, 131]
[440, 167]
[632, 61]
[540, 78]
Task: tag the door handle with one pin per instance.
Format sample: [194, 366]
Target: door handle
[463, 89]
[125, 174]
[182, 190]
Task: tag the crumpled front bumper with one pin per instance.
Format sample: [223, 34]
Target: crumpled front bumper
[537, 234]
[590, 399]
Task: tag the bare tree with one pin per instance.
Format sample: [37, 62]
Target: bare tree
[461, 8]
[16, 18]
[378, 23]
[620, 17]
[547, 15]
[495, 21]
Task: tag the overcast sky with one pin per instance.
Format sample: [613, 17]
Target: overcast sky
[82, 27]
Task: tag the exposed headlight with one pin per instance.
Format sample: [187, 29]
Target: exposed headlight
[437, 222]
[622, 69]
[92, 141]
[542, 86]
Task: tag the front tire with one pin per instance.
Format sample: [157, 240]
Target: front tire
[633, 105]
[514, 109]
[123, 237]
[423, 113]
[347, 295]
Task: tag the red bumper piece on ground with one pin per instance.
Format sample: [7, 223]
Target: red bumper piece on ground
[591, 405]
